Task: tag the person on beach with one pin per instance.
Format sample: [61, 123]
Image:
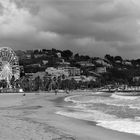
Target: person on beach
[56, 91]
[67, 92]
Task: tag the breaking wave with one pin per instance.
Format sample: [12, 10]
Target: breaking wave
[112, 112]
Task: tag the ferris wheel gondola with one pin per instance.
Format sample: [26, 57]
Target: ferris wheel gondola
[9, 65]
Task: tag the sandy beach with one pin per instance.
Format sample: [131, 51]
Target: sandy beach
[33, 117]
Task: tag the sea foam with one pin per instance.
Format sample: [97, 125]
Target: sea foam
[83, 108]
[122, 125]
[114, 100]
[124, 97]
[106, 121]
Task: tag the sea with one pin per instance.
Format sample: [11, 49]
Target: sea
[120, 113]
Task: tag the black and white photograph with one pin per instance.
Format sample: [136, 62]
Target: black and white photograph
[69, 69]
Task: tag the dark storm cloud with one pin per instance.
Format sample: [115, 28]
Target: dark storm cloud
[94, 27]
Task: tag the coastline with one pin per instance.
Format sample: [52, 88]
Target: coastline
[34, 116]
[94, 131]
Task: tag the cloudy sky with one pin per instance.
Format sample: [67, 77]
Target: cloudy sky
[93, 27]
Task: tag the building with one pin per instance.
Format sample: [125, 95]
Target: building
[63, 63]
[21, 69]
[103, 63]
[72, 71]
[21, 54]
[90, 78]
[34, 65]
[84, 78]
[86, 64]
[53, 72]
[127, 62]
[59, 55]
[28, 56]
[101, 70]
[39, 55]
[38, 74]
[45, 62]
[136, 78]
[118, 61]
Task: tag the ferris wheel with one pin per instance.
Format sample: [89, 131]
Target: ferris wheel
[9, 65]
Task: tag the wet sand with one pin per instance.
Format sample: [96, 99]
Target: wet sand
[33, 117]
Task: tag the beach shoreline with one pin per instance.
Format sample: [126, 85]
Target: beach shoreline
[34, 117]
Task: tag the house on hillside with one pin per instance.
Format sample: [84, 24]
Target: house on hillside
[38, 74]
[21, 54]
[72, 71]
[103, 62]
[136, 78]
[86, 64]
[101, 70]
[95, 74]
[28, 56]
[34, 65]
[63, 63]
[127, 62]
[59, 55]
[84, 78]
[45, 62]
[54, 72]
[39, 55]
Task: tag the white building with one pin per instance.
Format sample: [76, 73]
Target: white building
[104, 63]
[72, 71]
[45, 62]
[101, 70]
[56, 72]
[136, 78]
[127, 62]
[59, 55]
[84, 78]
[86, 64]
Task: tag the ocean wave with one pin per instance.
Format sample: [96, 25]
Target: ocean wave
[122, 125]
[87, 115]
[137, 106]
[103, 111]
[106, 121]
[71, 99]
[86, 99]
[115, 100]
[124, 97]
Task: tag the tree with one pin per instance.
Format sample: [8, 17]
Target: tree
[25, 84]
[12, 82]
[38, 83]
[73, 84]
[109, 58]
[36, 51]
[67, 54]
[3, 83]
[118, 58]
[46, 83]
[76, 57]
[59, 80]
[53, 85]
[44, 50]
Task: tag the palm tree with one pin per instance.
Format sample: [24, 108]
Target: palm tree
[25, 84]
[12, 81]
[53, 85]
[38, 83]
